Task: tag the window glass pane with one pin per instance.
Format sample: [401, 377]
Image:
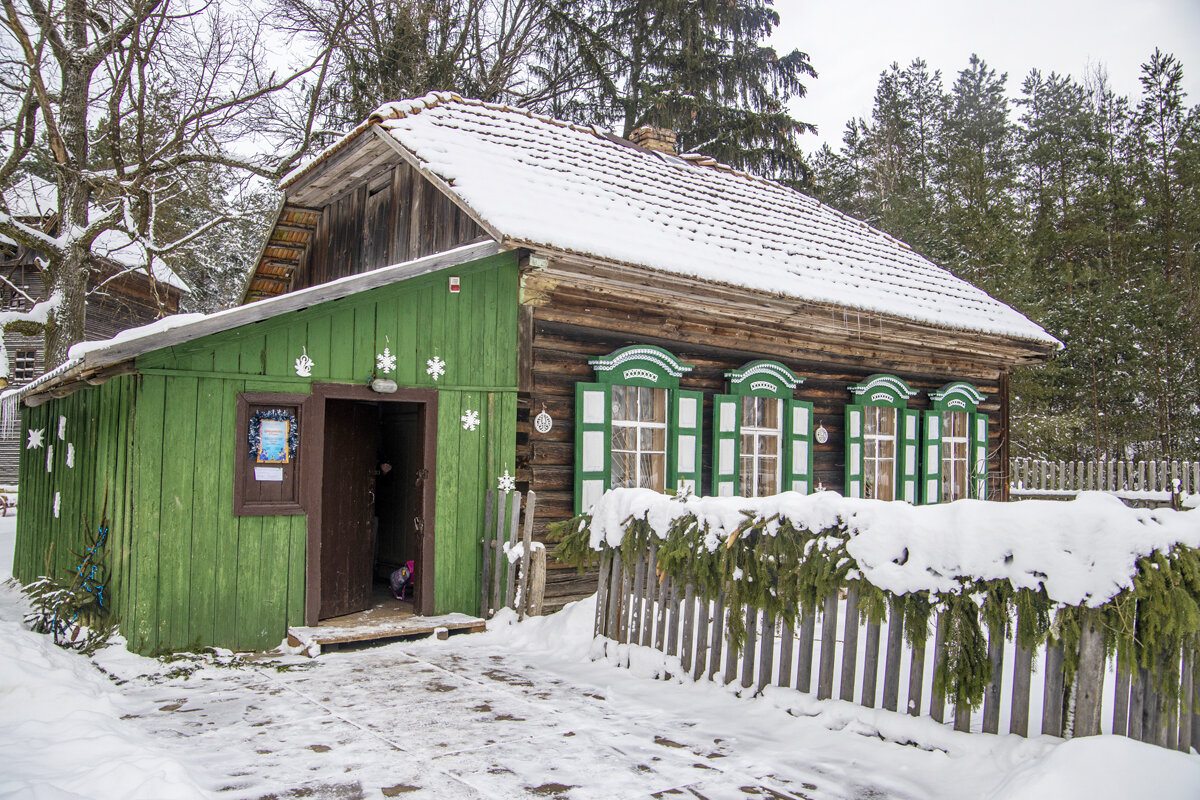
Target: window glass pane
[870, 421]
[623, 437]
[747, 476]
[620, 402]
[749, 412]
[653, 439]
[622, 471]
[887, 421]
[654, 472]
[766, 477]
[768, 445]
[887, 448]
[883, 483]
[770, 413]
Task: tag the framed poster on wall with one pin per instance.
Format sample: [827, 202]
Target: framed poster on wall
[267, 456]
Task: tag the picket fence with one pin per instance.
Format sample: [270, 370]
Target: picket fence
[1148, 480]
[636, 606]
[518, 582]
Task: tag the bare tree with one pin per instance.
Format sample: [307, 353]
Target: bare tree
[125, 104]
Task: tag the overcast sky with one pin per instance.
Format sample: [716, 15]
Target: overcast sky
[851, 42]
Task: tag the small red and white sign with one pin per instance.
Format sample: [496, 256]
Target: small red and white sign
[455, 285]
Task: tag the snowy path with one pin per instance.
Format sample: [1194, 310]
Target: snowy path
[457, 719]
[518, 712]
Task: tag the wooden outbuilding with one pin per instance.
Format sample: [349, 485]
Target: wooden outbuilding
[460, 292]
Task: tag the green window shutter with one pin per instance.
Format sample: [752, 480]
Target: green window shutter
[727, 442]
[684, 443]
[593, 437]
[979, 456]
[798, 447]
[909, 447]
[931, 458]
[854, 451]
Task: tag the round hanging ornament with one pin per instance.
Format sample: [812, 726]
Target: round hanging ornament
[543, 422]
[821, 434]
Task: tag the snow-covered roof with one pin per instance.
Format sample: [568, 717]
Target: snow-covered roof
[540, 181]
[87, 357]
[31, 196]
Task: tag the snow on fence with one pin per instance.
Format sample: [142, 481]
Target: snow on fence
[514, 570]
[1133, 480]
[1082, 555]
[874, 665]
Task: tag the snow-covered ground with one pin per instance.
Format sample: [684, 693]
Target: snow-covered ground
[521, 711]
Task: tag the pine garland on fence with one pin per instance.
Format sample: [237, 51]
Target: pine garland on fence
[770, 564]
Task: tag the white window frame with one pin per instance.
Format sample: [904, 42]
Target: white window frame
[870, 466]
[757, 432]
[637, 426]
[949, 462]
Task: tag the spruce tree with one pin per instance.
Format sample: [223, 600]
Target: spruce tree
[976, 181]
[702, 69]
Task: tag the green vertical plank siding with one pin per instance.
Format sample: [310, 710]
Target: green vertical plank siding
[149, 442]
[184, 571]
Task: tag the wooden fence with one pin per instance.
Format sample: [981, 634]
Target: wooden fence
[519, 581]
[872, 664]
[1032, 478]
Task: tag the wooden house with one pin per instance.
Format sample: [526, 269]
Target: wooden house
[122, 294]
[460, 291]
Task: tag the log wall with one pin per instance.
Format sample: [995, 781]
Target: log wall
[572, 312]
[391, 216]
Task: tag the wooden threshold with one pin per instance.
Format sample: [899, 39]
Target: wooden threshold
[386, 619]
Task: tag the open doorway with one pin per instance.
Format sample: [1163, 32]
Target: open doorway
[375, 485]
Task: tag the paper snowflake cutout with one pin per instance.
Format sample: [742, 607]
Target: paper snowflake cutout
[35, 439]
[470, 420]
[386, 361]
[435, 367]
[304, 365]
[506, 483]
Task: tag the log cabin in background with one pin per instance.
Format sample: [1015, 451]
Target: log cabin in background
[122, 294]
[526, 297]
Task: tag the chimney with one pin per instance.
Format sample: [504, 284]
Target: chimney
[653, 138]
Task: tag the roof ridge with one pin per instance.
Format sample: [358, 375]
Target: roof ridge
[400, 109]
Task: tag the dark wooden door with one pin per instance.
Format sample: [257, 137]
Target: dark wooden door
[348, 507]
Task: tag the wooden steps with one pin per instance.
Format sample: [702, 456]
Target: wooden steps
[377, 624]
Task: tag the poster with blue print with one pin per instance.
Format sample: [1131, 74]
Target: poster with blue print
[273, 441]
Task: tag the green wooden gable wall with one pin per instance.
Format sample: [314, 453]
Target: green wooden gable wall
[186, 572]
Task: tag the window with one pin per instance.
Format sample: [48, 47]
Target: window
[634, 427]
[762, 434]
[955, 441]
[762, 438]
[955, 445]
[881, 437]
[639, 438]
[879, 453]
[24, 366]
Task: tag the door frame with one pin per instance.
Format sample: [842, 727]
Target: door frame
[312, 448]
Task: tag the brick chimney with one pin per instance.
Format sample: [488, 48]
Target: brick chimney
[653, 138]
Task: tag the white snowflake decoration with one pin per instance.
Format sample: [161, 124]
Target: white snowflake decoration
[385, 362]
[304, 365]
[470, 420]
[435, 367]
[506, 483]
[35, 439]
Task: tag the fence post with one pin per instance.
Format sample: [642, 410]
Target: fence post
[527, 542]
[937, 703]
[718, 636]
[510, 581]
[850, 645]
[1090, 676]
[606, 564]
[485, 583]
[1052, 694]
[891, 672]
[991, 696]
[828, 645]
